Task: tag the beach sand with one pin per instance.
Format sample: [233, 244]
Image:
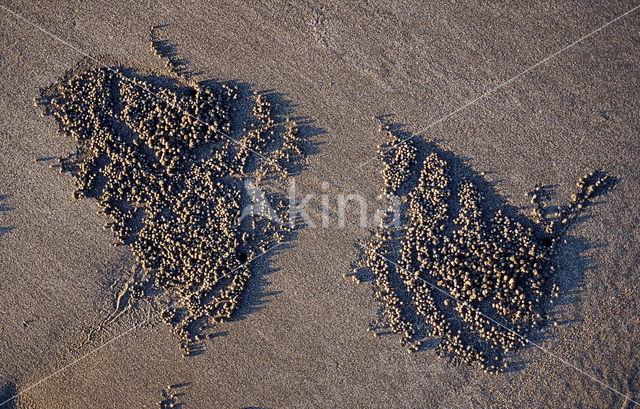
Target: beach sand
[300, 339]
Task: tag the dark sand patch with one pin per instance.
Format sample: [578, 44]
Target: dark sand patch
[7, 392]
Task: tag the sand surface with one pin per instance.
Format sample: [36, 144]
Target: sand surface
[301, 340]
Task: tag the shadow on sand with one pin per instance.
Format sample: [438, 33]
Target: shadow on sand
[571, 255]
[242, 117]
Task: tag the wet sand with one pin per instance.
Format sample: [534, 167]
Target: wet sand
[300, 340]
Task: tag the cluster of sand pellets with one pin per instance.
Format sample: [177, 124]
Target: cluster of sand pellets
[170, 397]
[168, 166]
[475, 281]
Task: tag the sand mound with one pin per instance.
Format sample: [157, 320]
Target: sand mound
[157, 154]
[480, 280]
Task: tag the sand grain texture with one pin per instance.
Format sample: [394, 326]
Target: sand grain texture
[341, 63]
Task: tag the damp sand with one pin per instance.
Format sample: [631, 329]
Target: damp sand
[305, 342]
